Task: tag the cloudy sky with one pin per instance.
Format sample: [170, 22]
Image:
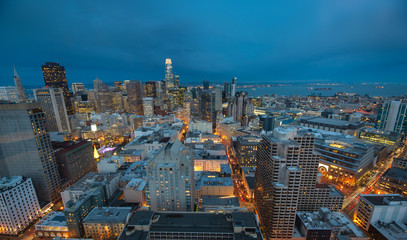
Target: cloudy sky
[257, 41]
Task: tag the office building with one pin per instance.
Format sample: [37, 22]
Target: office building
[246, 150]
[135, 192]
[206, 85]
[19, 87]
[332, 125]
[148, 106]
[199, 125]
[269, 122]
[77, 87]
[171, 179]
[383, 216]
[241, 108]
[285, 181]
[325, 224]
[220, 204]
[52, 102]
[105, 223]
[8, 93]
[74, 159]
[169, 75]
[52, 225]
[76, 210]
[176, 81]
[218, 97]
[151, 89]
[344, 160]
[379, 136]
[211, 184]
[145, 225]
[233, 87]
[19, 204]
[393, 180]
[135, 97]
[392, 117]
[399, 163]
[226, 91]
[26, 148]
[55, 77]
[207, 106]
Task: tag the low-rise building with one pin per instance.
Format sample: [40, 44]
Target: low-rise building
[135, 192]
[145, 225]
[213, 185]
[18, 203]
[105, 223]
[107, 165]
[199, 125]
[219, 204]
[393, 180]
[374, 211]
[332, 125]
[379, 136]
[52, 225]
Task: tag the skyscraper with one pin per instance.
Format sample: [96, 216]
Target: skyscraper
[26, 148]
[207, 106]
[169, 75]
[206, 85]
[286, 181]
[218, 97]
[392, 116]
[171, 184]
[176, 81]
[53, 104]
[19, 87]
[148, 106]
[233, 87]
[226, 90]
[135, 97]
[77, 87]
[55, 77]
[240, 107]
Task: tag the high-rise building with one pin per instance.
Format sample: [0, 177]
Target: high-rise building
[241, 107]
[176, 81]
[392, 116]
[77, 87]
[207, 106]
[52, 102]
[246, 149]
[26, 148]
[206, 85]
[19, 87]
[19, 204]
[9, 93]
[218, 97]
[55, 77]
[148, 106]
[226, 91]
[233, 87]
[169, 75]
[118, 86]
[151, 89]
[135, 97]
[285, 181]
[171, 184]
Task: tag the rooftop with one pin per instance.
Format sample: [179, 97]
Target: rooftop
[385, 199]
[220, 201]
[7, 183]
[393, 230]
[107, 215]
[395, 173]
[214, 181]
[137, 184]
[53, 219]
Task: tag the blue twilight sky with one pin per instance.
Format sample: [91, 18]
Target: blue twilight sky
[257, 41]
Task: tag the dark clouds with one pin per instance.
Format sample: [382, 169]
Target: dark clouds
[341, 41]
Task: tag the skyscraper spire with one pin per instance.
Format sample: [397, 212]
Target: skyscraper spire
[19, 87]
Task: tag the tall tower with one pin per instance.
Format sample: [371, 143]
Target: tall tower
[52, 101]
[233, 87]
[135, 97]
[19, 87]
[392, 116]
[55, 77]
[26, 148]
[286, 181]
[169, 75]
[171, 184]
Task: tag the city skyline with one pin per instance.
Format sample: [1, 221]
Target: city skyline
[339, 42]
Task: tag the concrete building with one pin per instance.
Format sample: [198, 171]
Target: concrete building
[19, 87]
[52, 225]
[393, 180]
[171, 179]
[74, 159]
[77, 87]
[220, 204]
[19, 204]
[135, 97]
[332, 125]
[213, 185]
[145, 225]
[228, 128]
[148, 106]
[325, 224]
[392, 117]
[198, 125]
[106, 165]
[135, 192]
[246, 150]
[105, 223]
[108, 181]
[344, 160]
[399, 163]
[384, 216]
[285, 181]
[53, 104]
[26, 148]
[241, 107]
